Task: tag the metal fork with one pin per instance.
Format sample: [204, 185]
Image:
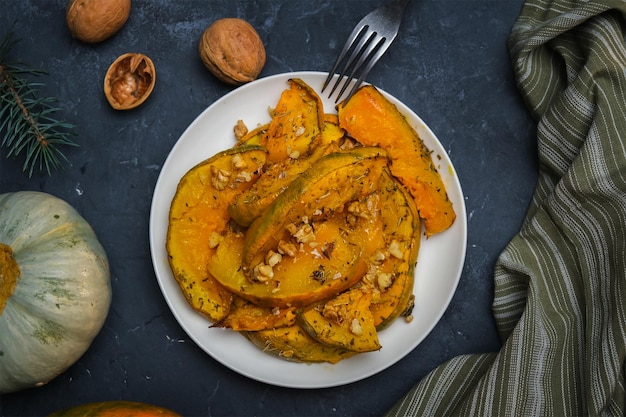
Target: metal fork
[366, 44]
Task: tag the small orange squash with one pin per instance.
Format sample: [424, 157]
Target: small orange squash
[117, 408]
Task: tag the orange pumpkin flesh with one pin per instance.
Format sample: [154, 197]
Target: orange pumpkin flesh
[115, 409]
[296, 125]
[351, 197]
[373, 120]
[198, 211]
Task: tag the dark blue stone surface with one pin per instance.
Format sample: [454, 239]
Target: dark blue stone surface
[450, 64]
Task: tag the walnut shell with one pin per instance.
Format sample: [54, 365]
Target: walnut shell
[232, 50]
[93, 21]
[129, 81]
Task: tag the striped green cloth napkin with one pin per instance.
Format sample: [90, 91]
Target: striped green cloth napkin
[560, 285]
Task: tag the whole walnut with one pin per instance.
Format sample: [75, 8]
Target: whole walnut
[232, 50]
[93, 21]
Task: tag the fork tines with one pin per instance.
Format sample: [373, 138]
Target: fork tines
[366, 44]
[359, 50]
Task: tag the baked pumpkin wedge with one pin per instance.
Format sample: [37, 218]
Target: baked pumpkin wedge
[246, 316]
[391, 271]
[276, 177]
[344, 322]
[294, 344]
[330, 183]
[198, 214]
[297, 123]
[294, 274]
[372, 120]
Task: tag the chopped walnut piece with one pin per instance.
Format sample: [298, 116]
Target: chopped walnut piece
[214, 240]
[378, 257]
[347, 144]
[243, 176]
[262, 273]
[240, 129]
[238, 162]
[291, 228]
[369, 278]
[300, 131]
[355, 327]
[395, 249]
[272, 258]
[304, 234]
[359, 209]
[384, 280]
[351, 219]
[219, 178]
[331, 312]
[286, 248]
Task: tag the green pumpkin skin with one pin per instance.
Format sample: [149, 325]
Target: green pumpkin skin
[63, 293]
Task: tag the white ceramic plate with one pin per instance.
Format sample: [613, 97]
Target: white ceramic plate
[438, 270]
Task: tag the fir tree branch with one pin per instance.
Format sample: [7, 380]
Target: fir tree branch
[27, 122]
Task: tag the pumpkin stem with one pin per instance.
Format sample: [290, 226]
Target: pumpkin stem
[9, 273]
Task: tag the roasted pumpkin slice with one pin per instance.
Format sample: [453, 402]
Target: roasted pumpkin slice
[318, 260]
[296, 124]
[371, 119]
[391, 271]
[327, 186]
[246, 316]
[294, 344]
[197, 216]
[250, 204]
[344, 322]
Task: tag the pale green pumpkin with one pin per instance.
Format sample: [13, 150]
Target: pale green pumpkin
[55, 288]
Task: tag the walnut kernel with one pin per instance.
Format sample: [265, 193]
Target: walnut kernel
[129, 81]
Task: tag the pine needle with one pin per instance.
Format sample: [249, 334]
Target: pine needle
[27, 123]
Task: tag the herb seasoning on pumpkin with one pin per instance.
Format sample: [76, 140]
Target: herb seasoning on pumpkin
[317, 251]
